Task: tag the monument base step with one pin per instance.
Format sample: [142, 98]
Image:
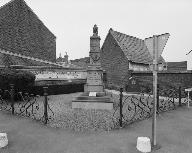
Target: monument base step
[90, 102]
[92, 105]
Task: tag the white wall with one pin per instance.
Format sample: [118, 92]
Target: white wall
[45, 74]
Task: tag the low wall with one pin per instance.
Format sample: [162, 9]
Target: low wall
[49, 82]
[47, 72]
[59, 89]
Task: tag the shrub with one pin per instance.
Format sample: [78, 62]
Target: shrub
[59, 89]
[22, 80]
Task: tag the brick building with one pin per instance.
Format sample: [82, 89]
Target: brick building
[170, 79]
[177, 66]
[121, 54]
[22, 32]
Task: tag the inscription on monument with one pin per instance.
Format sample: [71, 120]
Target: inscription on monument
[94, 78]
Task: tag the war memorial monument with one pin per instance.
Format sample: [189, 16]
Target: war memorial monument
[94, 96]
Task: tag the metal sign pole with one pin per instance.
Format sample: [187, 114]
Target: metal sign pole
[155, 57]
[155, 46]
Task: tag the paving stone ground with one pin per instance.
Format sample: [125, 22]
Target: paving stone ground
[174, 134]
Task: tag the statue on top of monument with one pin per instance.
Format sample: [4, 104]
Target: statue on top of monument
[95, 30]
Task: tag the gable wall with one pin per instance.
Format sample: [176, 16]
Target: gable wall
[114, 62]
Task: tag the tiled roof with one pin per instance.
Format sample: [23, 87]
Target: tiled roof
[7, 60]
[82, 62]
[134, 48]
[22, 32]
[5, 11]
[12, 60]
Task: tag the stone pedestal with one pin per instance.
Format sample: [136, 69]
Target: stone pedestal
[94, 80]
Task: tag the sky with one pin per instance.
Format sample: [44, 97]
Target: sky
[72, 21]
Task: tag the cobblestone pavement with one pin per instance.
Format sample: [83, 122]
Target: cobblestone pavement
[174, 134]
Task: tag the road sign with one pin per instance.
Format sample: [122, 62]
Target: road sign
[155, 46]
[162, 40]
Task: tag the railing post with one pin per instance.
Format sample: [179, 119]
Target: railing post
[12, 97]
[121, 105]
[158, 98]
[180, 96]
[45, 104]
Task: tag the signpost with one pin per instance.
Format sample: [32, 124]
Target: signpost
[155, 46]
